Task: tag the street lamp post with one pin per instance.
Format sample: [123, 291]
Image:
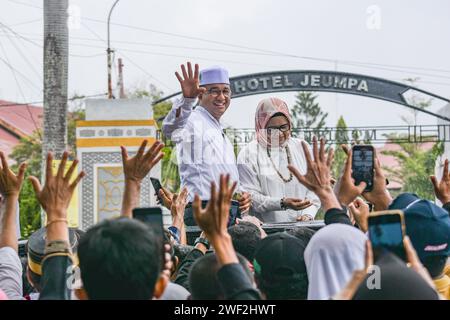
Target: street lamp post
[109, 51]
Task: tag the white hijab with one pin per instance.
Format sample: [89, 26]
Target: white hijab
[331, 256]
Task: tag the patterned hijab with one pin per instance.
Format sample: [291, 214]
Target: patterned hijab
[265, 110]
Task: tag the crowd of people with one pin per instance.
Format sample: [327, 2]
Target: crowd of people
[276, 178]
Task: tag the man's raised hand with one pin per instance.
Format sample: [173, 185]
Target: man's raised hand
[190, 82]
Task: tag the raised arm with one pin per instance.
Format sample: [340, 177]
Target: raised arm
[213, 221]
[55, 198]
[10, 186]
[135, 169]
[181, 110]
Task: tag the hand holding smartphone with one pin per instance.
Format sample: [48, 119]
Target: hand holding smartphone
[157, 186]
[386, 232]
[363, 165]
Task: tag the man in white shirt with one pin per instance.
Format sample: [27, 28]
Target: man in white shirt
[203, 150]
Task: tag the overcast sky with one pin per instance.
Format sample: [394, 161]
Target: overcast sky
[406, 39]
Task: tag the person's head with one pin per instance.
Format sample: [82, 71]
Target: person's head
[120, 259]
[245, 236]
[428, 227]
[303, 233]
[332, 254]
[180, 251]
[273, 122]
[217, 97]
[35, 248]
[396, 282]
[280, 270]
[203, 281]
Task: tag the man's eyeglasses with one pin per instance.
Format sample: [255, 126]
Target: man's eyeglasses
[284, 128]
[216, 92]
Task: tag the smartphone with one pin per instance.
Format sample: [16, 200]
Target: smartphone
[386, 232]
[362, 165]
[156, 186]
[151, 216]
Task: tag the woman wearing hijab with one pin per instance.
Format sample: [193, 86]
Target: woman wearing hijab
[333, 253]
[263, 172]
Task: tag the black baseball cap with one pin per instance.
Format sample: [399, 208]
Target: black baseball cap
[279, 259]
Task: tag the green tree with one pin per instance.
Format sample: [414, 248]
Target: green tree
[29, 150]
[307, 114]
[416, 166]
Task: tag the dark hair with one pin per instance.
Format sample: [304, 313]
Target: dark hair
[120, 259]
[302, 233]
[181, 251]
[435, 265]
[203, 282]
[245, 237]
[279, 114]
[284, 290]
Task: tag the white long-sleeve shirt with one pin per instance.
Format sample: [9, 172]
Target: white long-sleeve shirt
[258, 177]
[203, 150]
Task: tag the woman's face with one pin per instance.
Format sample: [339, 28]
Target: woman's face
[279, 128]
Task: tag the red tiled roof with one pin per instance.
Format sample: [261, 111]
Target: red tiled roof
[24, 118]
[17, 121]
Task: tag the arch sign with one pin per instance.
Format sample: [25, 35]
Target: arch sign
[327, 81]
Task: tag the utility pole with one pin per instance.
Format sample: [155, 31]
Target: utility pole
[120, 80]
[56, 60]
[109, 52]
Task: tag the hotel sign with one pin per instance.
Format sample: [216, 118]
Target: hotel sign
[326, 81]
[318, 81]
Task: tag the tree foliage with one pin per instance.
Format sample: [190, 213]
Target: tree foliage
[415, 167]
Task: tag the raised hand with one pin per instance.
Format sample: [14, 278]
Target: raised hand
[318, 174]
[346, 189]
[317, 177]
[379, 196]
[57, 192]
[178, 204]
[442, 188]
[137, 168]
[10, 183]
[190, 82]
[213, 220]
[360, 212]
[166, 197]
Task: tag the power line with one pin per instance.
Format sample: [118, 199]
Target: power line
[19, 86]
[129, 59]
[39, 102]
[22, 75]
[209, 59]
[22, 55]
[276, 53]
[26, 22]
